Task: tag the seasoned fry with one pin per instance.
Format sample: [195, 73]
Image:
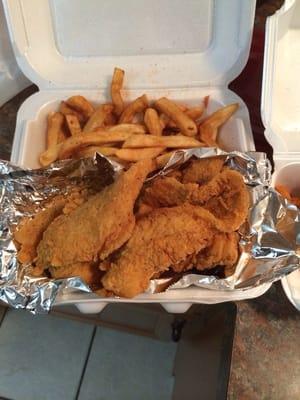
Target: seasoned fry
[195, 112]
[152, 122]
[54, 129]
[110, 120]
[50, 155]
[138, 154]
[115, 91]
[186, 125]
[138, 141]
[129, 128]
[73, 124]
[164, 120]
[138, 105]
[65, 110]
[98, 117]
[162, 160]
[74, 143]
[81, 104]
[89, 151]
[208, 129]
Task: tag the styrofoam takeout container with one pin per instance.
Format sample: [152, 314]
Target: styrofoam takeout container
[280, 107]
[183, 50]
[12, 81]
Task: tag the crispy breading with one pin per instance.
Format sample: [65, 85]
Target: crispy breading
[97, 227]
[88, 272]
[30, 231]
[225, 196]
[162, 238]
[202, 170]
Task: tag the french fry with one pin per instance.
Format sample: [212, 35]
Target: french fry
[178, 141]
[50, 155]
[89, 151]
[99, 137]
[206, 101]
[81, 104]
[138, 154]
[110, 120]
[65, 109]
[208, 129]
[115, 91]
[162, 160]
[195, 112]
[130, 128]
[152, 122]
[186, 125]
[138, 105]
[55, 129]
[73, 124]
[98, 117]
[164, 120]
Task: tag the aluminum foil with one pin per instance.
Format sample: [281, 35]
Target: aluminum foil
[269, 244]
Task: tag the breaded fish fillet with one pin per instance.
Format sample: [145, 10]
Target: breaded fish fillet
[162, 238]
[225, 195]
[202, 170]
[223, 251]
[97, 227]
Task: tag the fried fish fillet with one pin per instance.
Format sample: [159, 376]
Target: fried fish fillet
[225, 196]
[223, 251]
[202, 170]
[86, 271]
[30, 231]
[162, 238]
[97, 227]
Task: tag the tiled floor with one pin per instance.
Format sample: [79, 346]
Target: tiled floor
[47, 358]
[52, 358]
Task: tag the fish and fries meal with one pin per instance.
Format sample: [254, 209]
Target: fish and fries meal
[133, 230]
[119, 238]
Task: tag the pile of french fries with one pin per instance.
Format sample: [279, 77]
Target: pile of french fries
[130, 132]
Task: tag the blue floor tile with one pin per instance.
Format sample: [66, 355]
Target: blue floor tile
[128, 367]
[41, 357]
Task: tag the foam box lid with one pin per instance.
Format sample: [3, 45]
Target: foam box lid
[162, 43]
[280, 107]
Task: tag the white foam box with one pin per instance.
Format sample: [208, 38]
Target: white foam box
[280, 107]
[12, 81]
[183, 50]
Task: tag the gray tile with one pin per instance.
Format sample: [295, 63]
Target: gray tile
[3, 310]
[41, 357]
[128, 367]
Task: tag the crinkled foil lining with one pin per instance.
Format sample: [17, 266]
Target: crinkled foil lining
[268, 246]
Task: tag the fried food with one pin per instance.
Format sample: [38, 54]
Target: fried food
[138, 154]
[73, 124]
[222, 251]
[186, 124]
[55, 132]
[115, 91]
[202, 170]
[88, 272]
[81, 105]
[138, 105]
[225, 196]
[284, 191]
[30, 232]
[96, 228]
[209, 128]
[154, 247]
[98, 117]
[176, 141]
[152, 122]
